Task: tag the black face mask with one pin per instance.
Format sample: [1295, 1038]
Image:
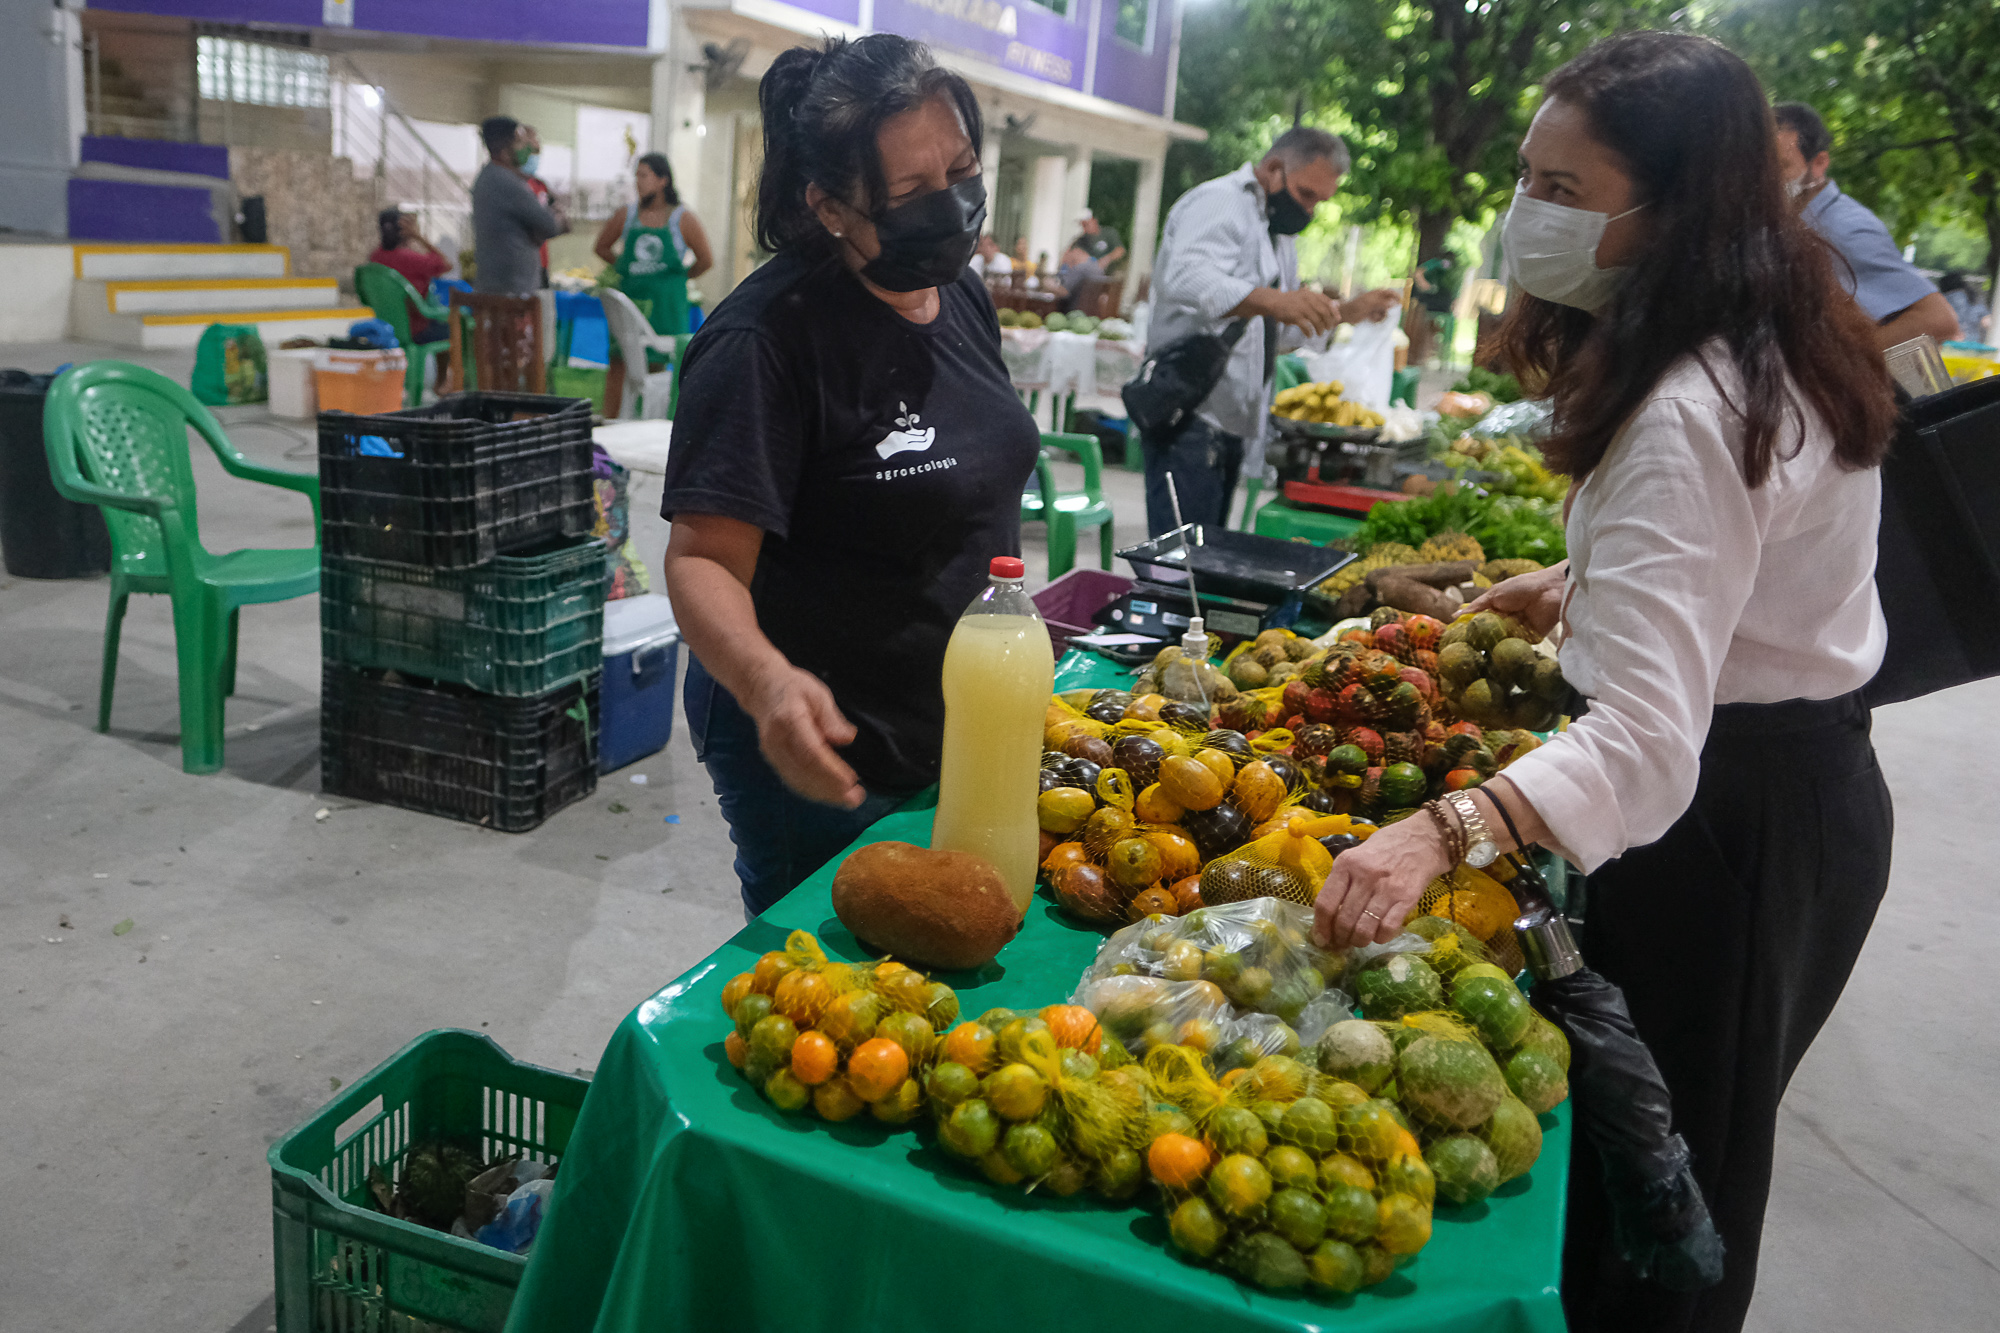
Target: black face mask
[1287, 216]
[928, 241]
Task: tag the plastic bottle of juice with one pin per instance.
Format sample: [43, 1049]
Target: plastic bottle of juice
[998, 671]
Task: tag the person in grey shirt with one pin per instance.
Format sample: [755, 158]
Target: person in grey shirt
[1227, 253]
[1903, 302]
[508, 223]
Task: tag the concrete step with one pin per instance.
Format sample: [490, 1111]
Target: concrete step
[104, 311]
[140, 261]
[161, 332]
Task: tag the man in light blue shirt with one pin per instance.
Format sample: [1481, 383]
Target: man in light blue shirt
[1903, 303]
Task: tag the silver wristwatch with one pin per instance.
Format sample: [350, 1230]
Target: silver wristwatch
[1480, 849]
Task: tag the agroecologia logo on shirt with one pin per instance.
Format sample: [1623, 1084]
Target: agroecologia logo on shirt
[910, 436]
[907, 438]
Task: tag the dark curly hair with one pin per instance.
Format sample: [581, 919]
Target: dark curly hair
[1727, 260]
[823, 108]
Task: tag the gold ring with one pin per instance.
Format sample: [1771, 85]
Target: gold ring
[1370, 915]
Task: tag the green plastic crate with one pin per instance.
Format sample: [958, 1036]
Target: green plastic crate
[342, 1267]
[519, 625]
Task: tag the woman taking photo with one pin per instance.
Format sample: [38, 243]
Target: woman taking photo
[657, 245]
[848, 457]
[1720, 409]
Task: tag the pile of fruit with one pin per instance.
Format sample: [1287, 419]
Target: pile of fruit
[1310, 1164]
[1323, 403]
[1142, 796]
[1517, 461]
[1020, 319]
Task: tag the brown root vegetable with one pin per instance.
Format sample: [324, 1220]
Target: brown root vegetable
[929, 908]
[1442, 575]
[1410, 595]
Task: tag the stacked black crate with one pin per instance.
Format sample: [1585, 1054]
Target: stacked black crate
[461, 608]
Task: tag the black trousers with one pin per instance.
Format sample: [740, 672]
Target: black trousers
[1204, 462]
[1732, 937]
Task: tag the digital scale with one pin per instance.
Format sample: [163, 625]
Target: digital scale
[1244, 584]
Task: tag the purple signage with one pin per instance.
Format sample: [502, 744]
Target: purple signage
[577, 22]
[1136, 76]
[1018, 36]
[844, 11]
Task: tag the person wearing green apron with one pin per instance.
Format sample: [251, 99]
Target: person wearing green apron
[657, 244]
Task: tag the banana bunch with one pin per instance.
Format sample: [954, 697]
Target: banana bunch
[1323, 403]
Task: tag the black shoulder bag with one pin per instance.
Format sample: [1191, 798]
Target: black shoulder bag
[1937, 566]
[1178, 378]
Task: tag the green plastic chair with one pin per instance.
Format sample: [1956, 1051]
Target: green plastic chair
[116, 436]
[390, 295]
[1066, 511]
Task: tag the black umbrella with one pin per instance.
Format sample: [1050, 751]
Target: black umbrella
[1660, 1222]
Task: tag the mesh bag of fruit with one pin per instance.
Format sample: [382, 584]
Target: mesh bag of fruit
[1288, 862]
[1482, 905]
[1295, 1179]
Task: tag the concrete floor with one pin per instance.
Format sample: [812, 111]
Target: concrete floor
[283, 941]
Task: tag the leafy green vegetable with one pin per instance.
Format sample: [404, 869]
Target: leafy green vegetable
[1507, 527]
[1503, 388]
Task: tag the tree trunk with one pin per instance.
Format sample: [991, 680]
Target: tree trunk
[1433, 230]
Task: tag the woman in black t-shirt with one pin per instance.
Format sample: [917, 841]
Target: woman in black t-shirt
[848, 456]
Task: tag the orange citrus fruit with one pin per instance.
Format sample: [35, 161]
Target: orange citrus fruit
[972, 1045]
[737, 987]
[1177, 1161]
[802, 997]
[906, 990]
[836, 1101]
[737, 1049]
[877, 1068]
[1403, 1225]
[1239, 1185]
[1074, 1026]
[815, 1058]
[771, 969]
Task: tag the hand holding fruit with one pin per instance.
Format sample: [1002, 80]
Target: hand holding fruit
[1373, 887]
[798, 727]
[1534, 599]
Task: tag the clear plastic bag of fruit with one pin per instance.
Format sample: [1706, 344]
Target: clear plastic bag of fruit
[1142, 1011]
[1258, 954]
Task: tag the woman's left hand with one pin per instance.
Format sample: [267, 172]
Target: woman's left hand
[1373, 887]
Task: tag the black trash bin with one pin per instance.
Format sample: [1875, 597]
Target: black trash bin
[42, 535]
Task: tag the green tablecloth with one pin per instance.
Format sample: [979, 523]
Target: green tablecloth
[685, 1201]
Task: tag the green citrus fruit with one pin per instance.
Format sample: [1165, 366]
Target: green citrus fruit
[970, 1130]
[1409, 1174]
[1453, 1083]
[1536, 1079]
[1310, 1123]
[1236, 1129]
[910, 1031]
[1068, 1176]
[999, 1170]
[771, 1039]
[1016, 1092]
[1357, 1051]
[1547, 1038]
[1267, 1260]
[1291, 1166]
[1377, 1265]
[1403, 1225]
[1196, 1229]
[1029, 1149]
[1464, 1168]
[1239, 1185]
[1298, 1217]
[1118, 1173]
[1334, 1266]
[949, 1084]
[1351, 1213]
[786, 1092]
[1515, 1137]
[1371, 1131]
[1496, 1008]
[1340, 1169]
[751, 1010]
[1014, 1035]
[1400, 984]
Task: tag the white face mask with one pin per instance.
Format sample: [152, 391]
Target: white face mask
[1795, 188]
[1552, 250]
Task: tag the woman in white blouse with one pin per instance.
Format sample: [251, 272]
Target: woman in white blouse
[1721, 409]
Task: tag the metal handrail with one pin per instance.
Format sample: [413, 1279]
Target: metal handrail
[388, 109]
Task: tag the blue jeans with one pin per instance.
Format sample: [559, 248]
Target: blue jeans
[780, 836]
[1204, 462]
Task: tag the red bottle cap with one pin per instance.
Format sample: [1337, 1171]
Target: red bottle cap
[1008, 567]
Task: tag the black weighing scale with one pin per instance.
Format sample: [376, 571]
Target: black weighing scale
[1243, 583]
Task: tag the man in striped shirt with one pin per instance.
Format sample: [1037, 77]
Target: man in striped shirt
[1227, 253]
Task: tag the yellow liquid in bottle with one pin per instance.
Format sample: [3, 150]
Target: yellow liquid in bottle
[998, 671]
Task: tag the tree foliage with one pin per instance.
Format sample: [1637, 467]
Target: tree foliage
[1434, 98]
[1910, 89]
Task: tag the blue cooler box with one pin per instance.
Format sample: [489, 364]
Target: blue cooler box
[642, 654]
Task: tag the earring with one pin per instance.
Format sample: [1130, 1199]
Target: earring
[840, 233]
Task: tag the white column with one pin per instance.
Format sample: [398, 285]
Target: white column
[679, 111]
[989, 170]
[41, 103]
[1145, 222]
[1076, 194]
[1045, 213]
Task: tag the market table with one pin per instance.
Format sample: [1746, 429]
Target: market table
[685, 1201]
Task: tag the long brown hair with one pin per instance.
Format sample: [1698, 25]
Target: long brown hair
[1727, 259]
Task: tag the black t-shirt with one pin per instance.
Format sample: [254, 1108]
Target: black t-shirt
[1097, 244]
[885, 462]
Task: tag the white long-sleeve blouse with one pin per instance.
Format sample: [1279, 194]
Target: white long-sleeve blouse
[1687, 589]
